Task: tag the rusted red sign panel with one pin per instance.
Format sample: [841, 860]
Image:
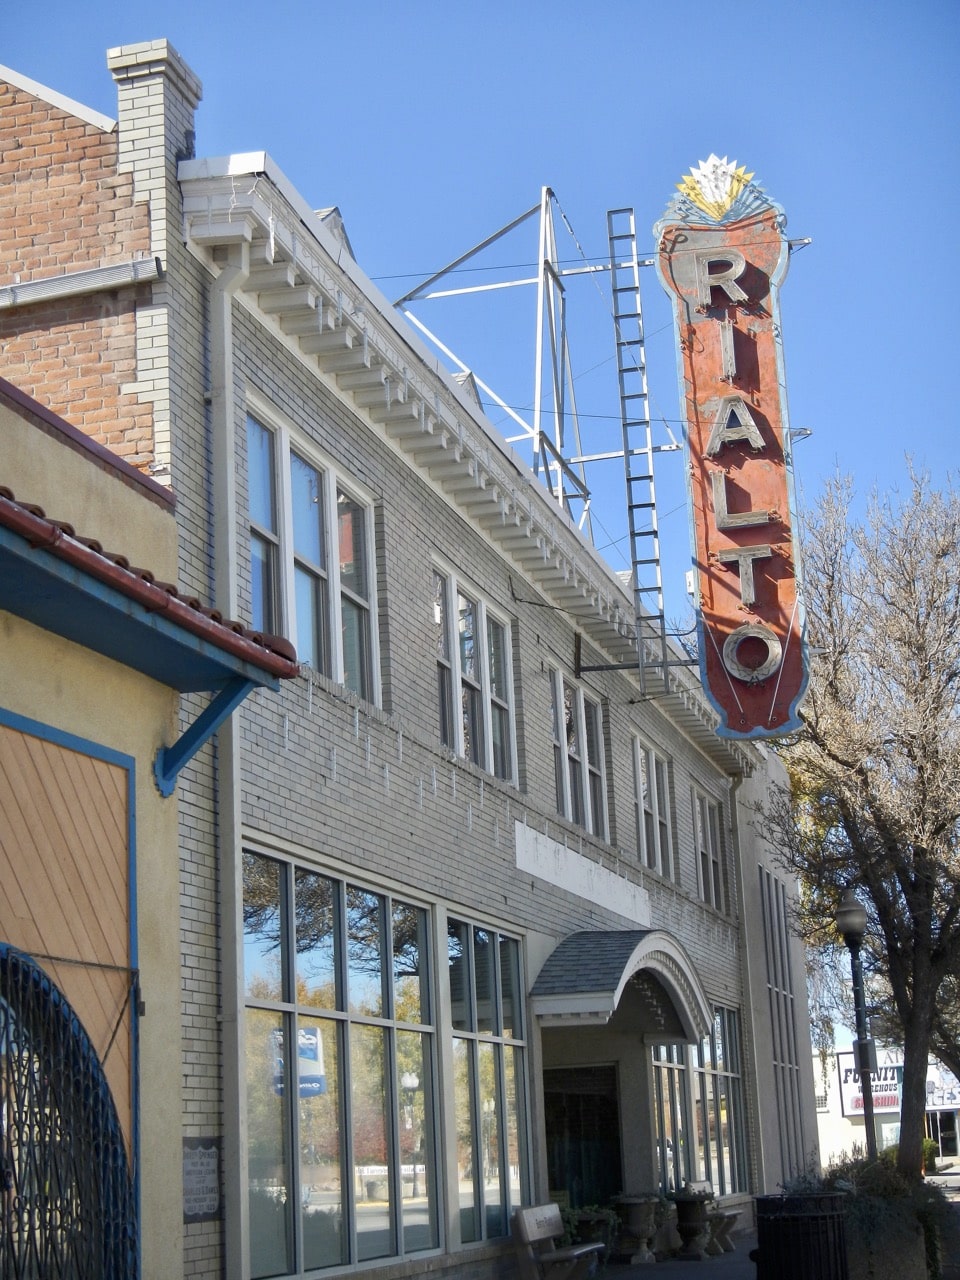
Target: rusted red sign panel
[723, 255]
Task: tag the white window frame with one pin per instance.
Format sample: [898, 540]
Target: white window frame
[568, 800]
[656, 853]
[709, 848]
[287, 439]
[455, 587]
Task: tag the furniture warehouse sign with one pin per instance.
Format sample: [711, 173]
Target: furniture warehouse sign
[885, 1086]
[722, 255]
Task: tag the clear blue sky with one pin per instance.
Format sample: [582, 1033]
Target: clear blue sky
[432, 124]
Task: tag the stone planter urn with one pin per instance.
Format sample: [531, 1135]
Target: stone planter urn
[638, 1217]
[692, 1223]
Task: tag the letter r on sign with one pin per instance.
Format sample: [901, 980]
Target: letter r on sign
[733, 263]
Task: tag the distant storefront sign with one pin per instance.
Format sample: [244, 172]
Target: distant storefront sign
[885, 1085]
[943, 1089]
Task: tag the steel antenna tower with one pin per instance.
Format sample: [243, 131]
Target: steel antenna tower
[554, 426]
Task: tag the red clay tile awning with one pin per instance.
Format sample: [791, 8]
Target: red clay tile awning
[69, 585]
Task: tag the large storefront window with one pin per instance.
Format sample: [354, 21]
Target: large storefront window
[698, 1103]
[340, 1053]
[488, 1055]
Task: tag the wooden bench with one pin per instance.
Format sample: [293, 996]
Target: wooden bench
[536, 1230]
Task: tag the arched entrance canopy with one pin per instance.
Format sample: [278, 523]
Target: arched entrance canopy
[585, 976]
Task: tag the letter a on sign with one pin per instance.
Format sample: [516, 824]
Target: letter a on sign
[722, 256]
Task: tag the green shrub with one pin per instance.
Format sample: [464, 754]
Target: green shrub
[883, 1200]
[930, 1152]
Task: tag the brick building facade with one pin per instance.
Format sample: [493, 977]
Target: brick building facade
[458, 929]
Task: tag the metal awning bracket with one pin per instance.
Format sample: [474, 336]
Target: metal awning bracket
[170, 760]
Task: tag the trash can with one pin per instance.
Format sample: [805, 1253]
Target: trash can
[801, 1237]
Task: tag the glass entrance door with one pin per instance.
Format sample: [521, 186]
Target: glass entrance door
[582, 1113]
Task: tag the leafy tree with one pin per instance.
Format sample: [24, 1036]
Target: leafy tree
[875, 773]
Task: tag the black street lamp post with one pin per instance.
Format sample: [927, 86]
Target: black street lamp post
[851, 921]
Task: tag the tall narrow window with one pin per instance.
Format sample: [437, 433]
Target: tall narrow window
[309, 556]
[499, 684]
[706, 826]
[671, 1115]
[574, 746]
[341, 1099]
[593, 735]
[264, 531]
[444, 660]
[489, 1065]
[470, 691]
[559, 758]
[783, 1006]
[354, 594]
[473, 669]
[652, 808]
[578, 755]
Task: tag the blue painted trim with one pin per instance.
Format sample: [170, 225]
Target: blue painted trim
[170, 760]
[134, 998]
[85, 746]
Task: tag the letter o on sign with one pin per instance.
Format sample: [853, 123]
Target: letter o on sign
[752, 631]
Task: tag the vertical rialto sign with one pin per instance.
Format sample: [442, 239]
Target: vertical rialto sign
[721, 253]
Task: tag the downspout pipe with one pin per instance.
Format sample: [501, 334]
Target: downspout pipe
[223, 456]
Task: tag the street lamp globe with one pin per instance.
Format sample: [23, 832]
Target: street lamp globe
[851, 919]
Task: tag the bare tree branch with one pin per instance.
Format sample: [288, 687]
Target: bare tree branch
[875, 774]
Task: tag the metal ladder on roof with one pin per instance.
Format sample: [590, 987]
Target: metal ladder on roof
[638, 450]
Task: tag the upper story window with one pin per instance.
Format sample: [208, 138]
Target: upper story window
[474, 686]
[652, 808]
[709, 848]
[310, 540]
[578, 758]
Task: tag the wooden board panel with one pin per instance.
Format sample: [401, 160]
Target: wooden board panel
[65, 884]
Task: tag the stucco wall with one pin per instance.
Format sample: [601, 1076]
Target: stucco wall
[67, 690]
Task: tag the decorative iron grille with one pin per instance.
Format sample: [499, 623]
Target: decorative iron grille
[68, 1209]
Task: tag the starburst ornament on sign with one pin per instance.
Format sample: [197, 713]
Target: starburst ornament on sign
[714, 185]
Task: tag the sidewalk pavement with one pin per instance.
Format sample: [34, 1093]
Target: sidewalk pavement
[728, 1266]
[947, 1177]
[738, 1265]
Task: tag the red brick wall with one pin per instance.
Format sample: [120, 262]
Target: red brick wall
[64, 207]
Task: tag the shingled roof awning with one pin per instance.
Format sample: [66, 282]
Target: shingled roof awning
[586, 975]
